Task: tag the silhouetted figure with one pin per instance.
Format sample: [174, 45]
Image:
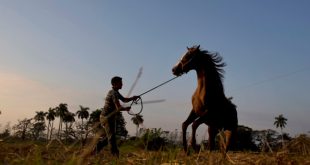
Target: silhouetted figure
[210, 105]
[108, 116]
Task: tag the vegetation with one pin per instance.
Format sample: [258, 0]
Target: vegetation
[280, 121]
[137, 120]
[17, 151]
[36, 141]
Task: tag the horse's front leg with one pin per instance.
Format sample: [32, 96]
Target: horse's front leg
[195, 125]
[192, 116]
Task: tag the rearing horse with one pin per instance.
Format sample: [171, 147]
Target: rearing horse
[210, 105]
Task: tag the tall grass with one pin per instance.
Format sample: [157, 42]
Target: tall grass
[57, 153]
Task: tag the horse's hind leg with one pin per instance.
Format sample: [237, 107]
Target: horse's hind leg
[228, 135]
[212, 131]
[192, 116]
[230, 139]
[231, 129]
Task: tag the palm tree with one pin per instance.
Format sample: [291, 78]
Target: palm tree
[280, 121]
[39, 125]
[50, 117]
[61, 110]
[137, 120]
[40, 116]
[83, 113]
[94, 117]
[68, 118]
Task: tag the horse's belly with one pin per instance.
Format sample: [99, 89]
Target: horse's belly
[200, 111]
[199, 107]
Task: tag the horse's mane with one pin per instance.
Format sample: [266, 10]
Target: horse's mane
[214, 60]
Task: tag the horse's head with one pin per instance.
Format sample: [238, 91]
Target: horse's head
[187, 62]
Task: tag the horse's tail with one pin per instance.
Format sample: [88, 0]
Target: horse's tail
[232, 114]
[232, 119]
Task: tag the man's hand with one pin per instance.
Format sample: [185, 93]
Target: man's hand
[134, 98]
[127, 108]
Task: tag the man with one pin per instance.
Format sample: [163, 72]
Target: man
[108, 117]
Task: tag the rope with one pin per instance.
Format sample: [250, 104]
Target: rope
[136, 102]
[159, 85]
[140, 99]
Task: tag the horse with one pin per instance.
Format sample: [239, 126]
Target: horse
[209, 103]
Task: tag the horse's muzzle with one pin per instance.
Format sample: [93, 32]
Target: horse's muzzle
[177, 71]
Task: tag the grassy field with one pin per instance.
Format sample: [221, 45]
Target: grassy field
[28, 152]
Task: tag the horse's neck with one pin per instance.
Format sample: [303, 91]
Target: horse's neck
[201, 81]
[208, 86]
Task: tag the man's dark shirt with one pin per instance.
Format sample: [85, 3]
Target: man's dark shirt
[111, 98]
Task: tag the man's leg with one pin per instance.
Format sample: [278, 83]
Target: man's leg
[112, 137]
[103, 141]
[114, 149]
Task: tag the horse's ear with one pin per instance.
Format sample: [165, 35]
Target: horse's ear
[198, 46]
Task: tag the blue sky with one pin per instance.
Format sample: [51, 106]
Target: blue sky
[67, 51]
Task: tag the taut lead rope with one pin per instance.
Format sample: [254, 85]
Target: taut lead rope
[140, 99]
[158, 85]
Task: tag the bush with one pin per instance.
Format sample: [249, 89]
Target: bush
[152, 140]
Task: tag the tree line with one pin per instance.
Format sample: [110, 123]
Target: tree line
[41, 127]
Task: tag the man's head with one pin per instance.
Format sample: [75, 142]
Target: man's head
[117, 82]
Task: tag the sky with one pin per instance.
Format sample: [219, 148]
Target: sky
[54, 52]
